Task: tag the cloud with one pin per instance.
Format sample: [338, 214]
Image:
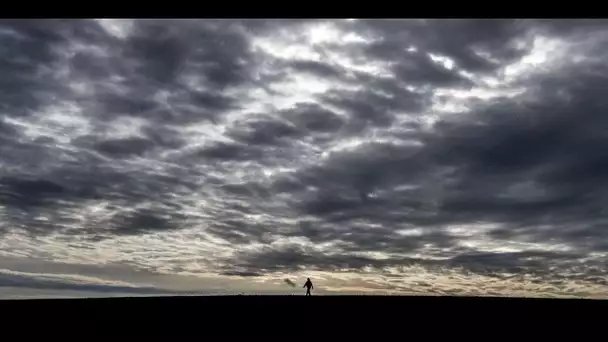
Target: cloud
[38, 281]
[405, 156]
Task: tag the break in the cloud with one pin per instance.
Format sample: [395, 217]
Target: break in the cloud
[384, 156]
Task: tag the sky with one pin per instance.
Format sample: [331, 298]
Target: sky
[411, 156]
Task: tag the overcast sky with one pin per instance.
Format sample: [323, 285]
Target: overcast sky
[379, 156]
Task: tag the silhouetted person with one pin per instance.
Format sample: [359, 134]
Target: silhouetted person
[308, 285]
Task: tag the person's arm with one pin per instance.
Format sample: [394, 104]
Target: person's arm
[312, 286]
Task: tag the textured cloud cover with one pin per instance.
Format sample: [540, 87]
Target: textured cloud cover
[381, 156]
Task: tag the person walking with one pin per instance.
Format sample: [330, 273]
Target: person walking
[308, 285]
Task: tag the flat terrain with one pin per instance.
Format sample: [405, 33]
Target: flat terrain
[327, 313]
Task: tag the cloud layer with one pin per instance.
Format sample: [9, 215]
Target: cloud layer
[402, 156]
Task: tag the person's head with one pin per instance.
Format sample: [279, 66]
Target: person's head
[308, 279]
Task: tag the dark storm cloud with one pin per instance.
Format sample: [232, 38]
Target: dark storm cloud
[124, 147]
[317, 68]
[366, 108]
[455, 38]
[314, 118]
[164, 49]
[221, 53]
[229, 151]
[27, 48]
[32, 194]
[140, 221]
[422, 70]
[263, 130]
[347, 178]
[355, 165]
[555, 145]
[7, 131]
[296, 258]
[22, 189]
[157, 55]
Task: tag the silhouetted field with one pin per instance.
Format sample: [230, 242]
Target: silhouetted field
[348, 314]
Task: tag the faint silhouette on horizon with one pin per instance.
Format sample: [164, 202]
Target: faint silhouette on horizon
[308, 285]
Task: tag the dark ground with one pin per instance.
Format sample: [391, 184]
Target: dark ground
[344, 315]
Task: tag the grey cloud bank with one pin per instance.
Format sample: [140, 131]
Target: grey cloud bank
[397, 156]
